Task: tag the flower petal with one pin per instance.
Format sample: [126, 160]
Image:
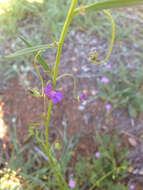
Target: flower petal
[104, 80]
[49, 87]
[57, 97]
[83, 96]
[108, 106]
[53, 95]
[54, 100]
[72, 184]
[48, 90]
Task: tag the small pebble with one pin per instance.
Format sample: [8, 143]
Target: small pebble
[81, 108]
[86, 119]
[93, 92]
[85, 68]
[136, 171]
[64, 123]
[132, 142]
[132, 122]
[84, 103]
[13, 119]
[141, 171]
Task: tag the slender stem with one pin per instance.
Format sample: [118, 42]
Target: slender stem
[111, 43]
[56, 171]
[112, 39]
[47, 124]
[45, 107]
[62, 37]
[37, 70]
[61, 41]
[74, 82]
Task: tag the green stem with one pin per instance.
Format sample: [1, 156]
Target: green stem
[47, 124]
[62, 37]
[56, 171]
[37, 70]
[106, 175]
[61, 41]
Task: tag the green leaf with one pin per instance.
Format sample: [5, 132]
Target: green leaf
[132, 111]
[25, 41]
[110, 4]
[40, 59]
[30, 50]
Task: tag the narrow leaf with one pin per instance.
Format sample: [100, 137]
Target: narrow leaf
[25, 41]
[30, 50]
[110, 4]
[40, 59]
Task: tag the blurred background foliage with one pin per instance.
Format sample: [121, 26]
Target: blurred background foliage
[21, 16]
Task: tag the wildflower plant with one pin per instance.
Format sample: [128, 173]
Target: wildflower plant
[124, 89]
[48, 91]
[105, 169]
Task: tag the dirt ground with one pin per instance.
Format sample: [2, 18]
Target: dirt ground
[19, 108]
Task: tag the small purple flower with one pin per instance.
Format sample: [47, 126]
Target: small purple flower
[104, 80]
[54, 96]
[108, 65]
[108, 106]
[83, 96]
[72, 183]
[132, 187]
[97, 155]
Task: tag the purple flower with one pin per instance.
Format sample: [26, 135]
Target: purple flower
[83, 96]
[108, 65]
[132, 187]
[72, 183]
[97, 155]
[54, 96]
[104, 80]
[108, 106]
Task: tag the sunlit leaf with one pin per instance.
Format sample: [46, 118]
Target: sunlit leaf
[110, 4]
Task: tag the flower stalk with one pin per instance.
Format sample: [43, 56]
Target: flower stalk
[61, 41]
